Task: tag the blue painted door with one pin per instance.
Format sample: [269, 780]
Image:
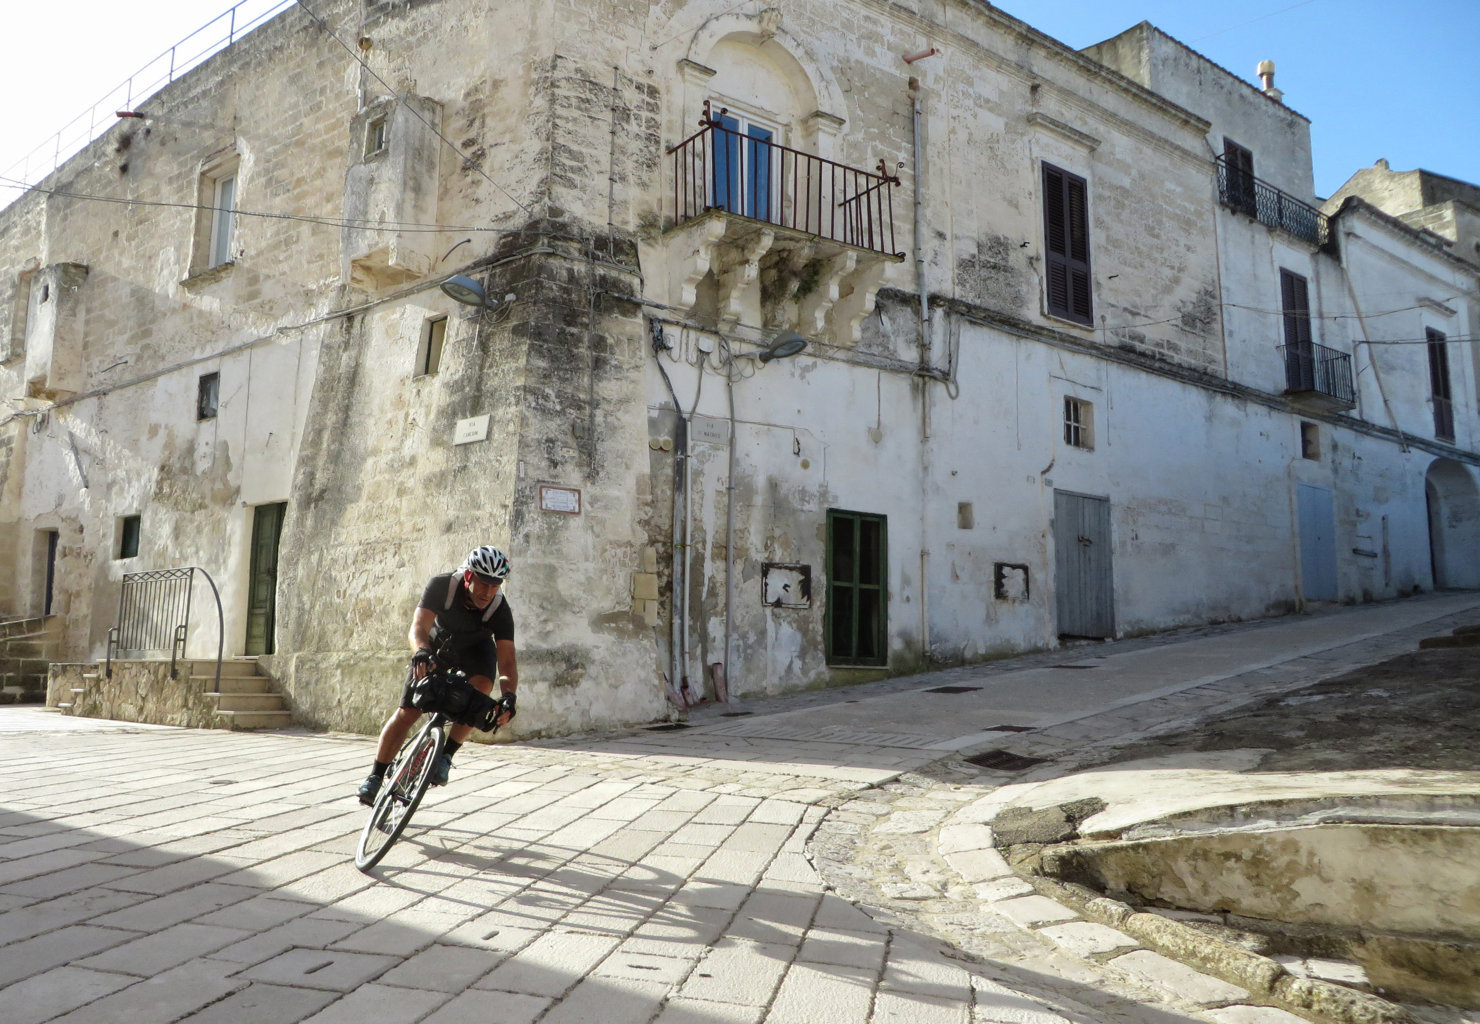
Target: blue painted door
[742, 168]
[1317, 519]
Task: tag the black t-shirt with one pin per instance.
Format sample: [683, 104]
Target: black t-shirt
[460, 626]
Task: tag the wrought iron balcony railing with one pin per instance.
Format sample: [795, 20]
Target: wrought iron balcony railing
[1317, 370]
[747, 175]
[1242, 192]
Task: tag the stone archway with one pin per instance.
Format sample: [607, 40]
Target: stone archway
[1453, 501]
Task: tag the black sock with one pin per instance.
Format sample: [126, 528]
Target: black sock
[378, 769]
[451, 747]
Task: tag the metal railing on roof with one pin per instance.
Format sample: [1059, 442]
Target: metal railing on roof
[205, 42]
[1242, 192]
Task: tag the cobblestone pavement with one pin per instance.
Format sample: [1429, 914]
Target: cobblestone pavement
[817, 860]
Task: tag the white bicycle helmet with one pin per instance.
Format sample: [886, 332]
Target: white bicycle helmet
[487, 562]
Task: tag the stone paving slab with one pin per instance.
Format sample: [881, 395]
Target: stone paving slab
[696, 875]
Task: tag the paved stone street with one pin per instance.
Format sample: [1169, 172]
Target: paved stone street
[818, 859]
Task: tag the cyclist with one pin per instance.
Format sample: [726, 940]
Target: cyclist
[464, 619]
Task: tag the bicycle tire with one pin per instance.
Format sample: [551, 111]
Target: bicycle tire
[406, 783]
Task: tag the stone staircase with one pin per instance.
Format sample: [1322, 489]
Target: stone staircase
[26, 649]
[246, 699]
[144, 691]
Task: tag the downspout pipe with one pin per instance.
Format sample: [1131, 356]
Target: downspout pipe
[676, 569]
[917, 133]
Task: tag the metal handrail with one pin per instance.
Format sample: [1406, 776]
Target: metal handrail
[718, 168]
[153, 76]
[154, 607]
[1254, 197]
[1317, 368]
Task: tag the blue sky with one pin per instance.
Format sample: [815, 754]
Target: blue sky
[1377, 78]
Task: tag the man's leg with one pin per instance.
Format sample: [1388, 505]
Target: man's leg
[456, 735]
[392, 735]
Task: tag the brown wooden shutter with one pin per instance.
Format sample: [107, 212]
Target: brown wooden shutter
[1295, 301]
[1240, 170]
[1066, 232]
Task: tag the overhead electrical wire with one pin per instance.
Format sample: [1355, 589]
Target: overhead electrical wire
[338, 222]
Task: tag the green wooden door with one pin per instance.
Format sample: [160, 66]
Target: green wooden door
[267, 527]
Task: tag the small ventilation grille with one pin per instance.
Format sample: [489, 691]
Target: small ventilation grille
[952, 689]
[1003, 761]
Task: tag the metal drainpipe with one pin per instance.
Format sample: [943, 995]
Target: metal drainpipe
[917, 113]
[729, 548]
[680, 581]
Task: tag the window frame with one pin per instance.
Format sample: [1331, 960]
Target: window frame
[1079, 423]
[208, 396]
[432, 344]
[1239, 163]
[843, 594]
[738, 193]
[130, 531]
[1068, 284]
[377, 136]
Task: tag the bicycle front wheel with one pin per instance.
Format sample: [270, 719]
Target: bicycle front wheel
[405, 783]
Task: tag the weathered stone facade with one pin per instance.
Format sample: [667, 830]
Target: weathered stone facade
[684, 513]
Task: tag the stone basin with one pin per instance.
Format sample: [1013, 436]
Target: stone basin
[1379, 867]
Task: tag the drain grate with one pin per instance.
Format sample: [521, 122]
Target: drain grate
[953, 689]
[1009, 728]
[736, 714]
[668, 727]
[1003, 761]
[1073, 666]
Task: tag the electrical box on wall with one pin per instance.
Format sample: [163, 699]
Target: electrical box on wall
[786, 585]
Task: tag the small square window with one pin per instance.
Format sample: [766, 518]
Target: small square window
[1079, 423]
[207, 396]
[375, 136]
[128, 537]
[1310, 441]
[429, 352]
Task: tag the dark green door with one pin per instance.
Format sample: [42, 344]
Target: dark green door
[857, 589]
[267, 527]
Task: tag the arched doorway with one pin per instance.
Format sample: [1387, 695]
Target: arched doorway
[1453, 501]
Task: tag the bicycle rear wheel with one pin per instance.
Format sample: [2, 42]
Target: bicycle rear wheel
[405, 783]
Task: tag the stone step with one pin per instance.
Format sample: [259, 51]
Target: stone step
[22, 627]
[256, 719]
[248, 702]
[233, 684]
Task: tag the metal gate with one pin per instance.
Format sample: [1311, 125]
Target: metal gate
[1083, 586]
[1317, 520]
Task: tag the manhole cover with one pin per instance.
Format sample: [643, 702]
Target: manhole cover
[668, 727]
[1003, 761]
[952, 689]
[1009, 728]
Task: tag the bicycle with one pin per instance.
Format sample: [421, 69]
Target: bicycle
[448, 699]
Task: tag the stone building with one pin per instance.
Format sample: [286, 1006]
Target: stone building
[789, 347]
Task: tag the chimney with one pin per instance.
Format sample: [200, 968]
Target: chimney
[1266, 76]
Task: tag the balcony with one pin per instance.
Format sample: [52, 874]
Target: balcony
[1319, 376]
[791, 239]
[1243, 193]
